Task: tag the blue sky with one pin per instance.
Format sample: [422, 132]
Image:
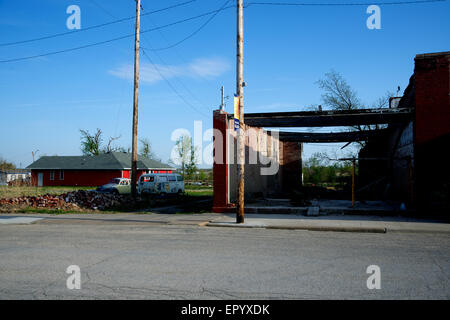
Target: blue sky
[45, 101]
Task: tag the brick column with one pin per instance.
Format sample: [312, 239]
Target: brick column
[220, 169]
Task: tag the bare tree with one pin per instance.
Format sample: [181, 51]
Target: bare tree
[109, 147]
[338, 95]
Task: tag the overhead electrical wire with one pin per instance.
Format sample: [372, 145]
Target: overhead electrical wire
[115, 39]
[156, 68]
[165, 63]
[340, 3]
[172, 87]
[94, 26]
[214, 12]
[193, 33]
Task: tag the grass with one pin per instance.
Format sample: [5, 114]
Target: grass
[13, 191]
[197, 191]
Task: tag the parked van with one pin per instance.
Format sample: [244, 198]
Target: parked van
[160, 183]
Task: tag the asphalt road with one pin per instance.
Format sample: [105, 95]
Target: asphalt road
[181, 260]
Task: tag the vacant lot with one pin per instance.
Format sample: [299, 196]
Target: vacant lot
[196, 200]
[12, 191]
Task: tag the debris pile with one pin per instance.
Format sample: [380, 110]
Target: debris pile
[77, 199]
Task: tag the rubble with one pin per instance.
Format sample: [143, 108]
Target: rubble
[83, 199]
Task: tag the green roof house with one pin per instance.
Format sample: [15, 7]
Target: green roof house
[90, 170]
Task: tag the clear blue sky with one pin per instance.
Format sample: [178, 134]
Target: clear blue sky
[45, 101]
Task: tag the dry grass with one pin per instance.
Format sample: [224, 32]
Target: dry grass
[13, 191]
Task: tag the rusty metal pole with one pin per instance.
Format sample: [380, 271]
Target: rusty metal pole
[222, 104]
[135, 101]
[353, 182]
[240, 94]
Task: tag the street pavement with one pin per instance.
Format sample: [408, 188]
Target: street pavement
[157, 256]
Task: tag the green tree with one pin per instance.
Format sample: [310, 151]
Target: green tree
[183, 148]
[146, 149]
[191, 167]
[91, 144]
[5, 165]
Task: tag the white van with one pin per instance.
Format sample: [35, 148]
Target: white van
[160, 183]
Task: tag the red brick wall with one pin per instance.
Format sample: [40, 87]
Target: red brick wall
[432, 86]
[432, 131]
[220, 184]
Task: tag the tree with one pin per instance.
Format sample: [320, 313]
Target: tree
[109, 147]
[90, 144]
[146, 149]
[5, 165]
[186, 153]
[191, 167]
[338, 95]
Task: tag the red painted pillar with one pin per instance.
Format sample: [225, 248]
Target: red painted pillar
[220, 166]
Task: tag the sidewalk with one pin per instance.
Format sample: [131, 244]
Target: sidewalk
[338, 223]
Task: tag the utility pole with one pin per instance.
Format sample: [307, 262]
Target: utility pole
[240, 94]
[135, 102]
[353, 182]
[222, 105]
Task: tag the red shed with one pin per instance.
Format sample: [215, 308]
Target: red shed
[90, 170]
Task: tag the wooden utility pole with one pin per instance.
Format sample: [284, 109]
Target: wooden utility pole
[135, 102]
[240, 94]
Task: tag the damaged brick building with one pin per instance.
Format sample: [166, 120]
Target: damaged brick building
[415, 167]
[402, 160]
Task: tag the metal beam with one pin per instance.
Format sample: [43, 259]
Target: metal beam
[307, 137]
[328, 118]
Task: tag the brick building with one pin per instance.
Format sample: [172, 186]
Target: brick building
[416, 171]
[272, 165]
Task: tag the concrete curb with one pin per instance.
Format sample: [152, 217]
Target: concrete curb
[18, 220]
[332, 229]
[306, 227]
[338, 226]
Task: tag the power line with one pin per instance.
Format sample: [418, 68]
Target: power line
[340, 4]
[171, 86]
[178, 22]
[94, 26]
[190, 1]
[114, 39]
[193, 33]
[165, 63]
